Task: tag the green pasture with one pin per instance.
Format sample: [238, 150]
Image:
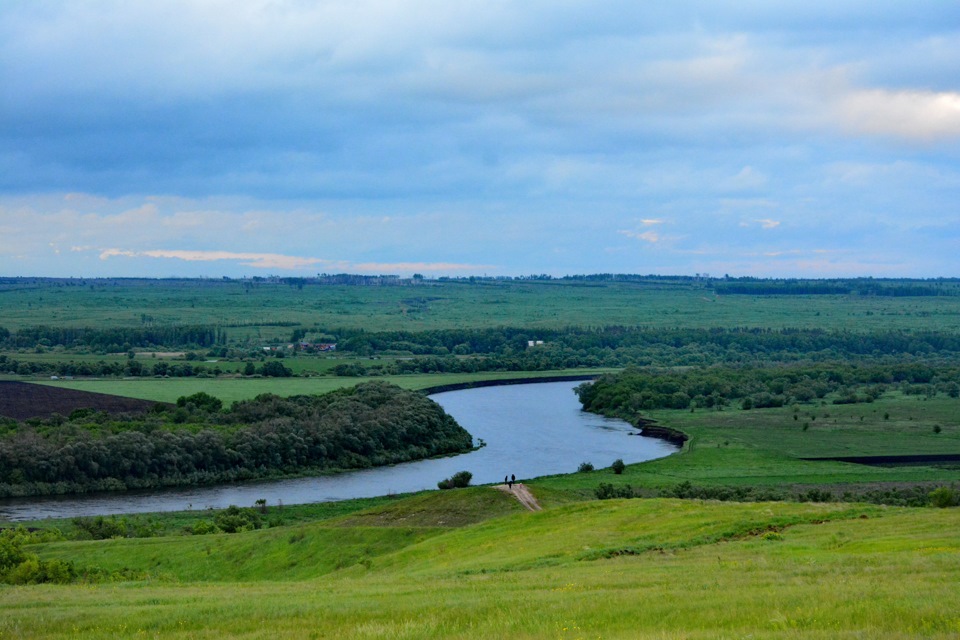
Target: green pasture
[602, 569]
[764, 447]
[254, 312]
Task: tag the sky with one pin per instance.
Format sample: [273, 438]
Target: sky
[286, 137]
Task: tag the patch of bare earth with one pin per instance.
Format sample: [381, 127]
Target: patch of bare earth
[22, 400]
[522, 494]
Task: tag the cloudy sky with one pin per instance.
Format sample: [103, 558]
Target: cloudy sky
[291, 137]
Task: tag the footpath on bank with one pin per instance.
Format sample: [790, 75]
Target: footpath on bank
[522, 494]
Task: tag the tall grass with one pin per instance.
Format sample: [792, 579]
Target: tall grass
[696, 570]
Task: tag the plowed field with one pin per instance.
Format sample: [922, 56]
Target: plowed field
[22, 400]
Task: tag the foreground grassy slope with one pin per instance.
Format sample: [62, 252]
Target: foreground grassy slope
[611, 569]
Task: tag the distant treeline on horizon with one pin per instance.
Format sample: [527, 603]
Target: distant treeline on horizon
[723, 285]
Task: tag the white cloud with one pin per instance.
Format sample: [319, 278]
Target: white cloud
[923, 116]
[256, 260]
[295, 263]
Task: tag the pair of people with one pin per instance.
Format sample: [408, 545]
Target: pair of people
[509, 480]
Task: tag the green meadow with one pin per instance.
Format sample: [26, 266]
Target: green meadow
[600, 569]
[764, 448]
[232, 389]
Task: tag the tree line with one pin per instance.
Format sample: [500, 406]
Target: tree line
[507, 349]
[114, 339]
[858, 287]
[512, 340]
[630, 392]
[136, 368]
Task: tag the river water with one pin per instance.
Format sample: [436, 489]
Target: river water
[530, 430]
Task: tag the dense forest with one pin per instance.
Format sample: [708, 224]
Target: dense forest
[199, 442]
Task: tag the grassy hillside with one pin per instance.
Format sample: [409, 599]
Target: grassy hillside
[610, 569]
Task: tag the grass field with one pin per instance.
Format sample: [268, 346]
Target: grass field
[610, 569]
[764, 447]
[233, 389]
[252, 312]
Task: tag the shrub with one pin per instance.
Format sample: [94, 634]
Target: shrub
[100, 528]
[815, 495]
[104, 528]
[462, 479]
[618, 466]
[584, 467]
[202, 528]
[234, 519]
[458, 480]
[36, 571]
[20, 567]
[607, 491]
[944, 497]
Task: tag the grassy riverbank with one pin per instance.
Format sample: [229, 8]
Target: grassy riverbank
[765, 449]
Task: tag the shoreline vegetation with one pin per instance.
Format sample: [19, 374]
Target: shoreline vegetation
[198, 441]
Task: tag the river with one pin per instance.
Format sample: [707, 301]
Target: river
[530, 430]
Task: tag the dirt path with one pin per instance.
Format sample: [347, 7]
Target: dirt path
[522, 494]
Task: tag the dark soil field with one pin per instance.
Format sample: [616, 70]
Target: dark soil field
[21, 400]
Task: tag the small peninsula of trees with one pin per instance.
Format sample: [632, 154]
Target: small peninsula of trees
[199, 442]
